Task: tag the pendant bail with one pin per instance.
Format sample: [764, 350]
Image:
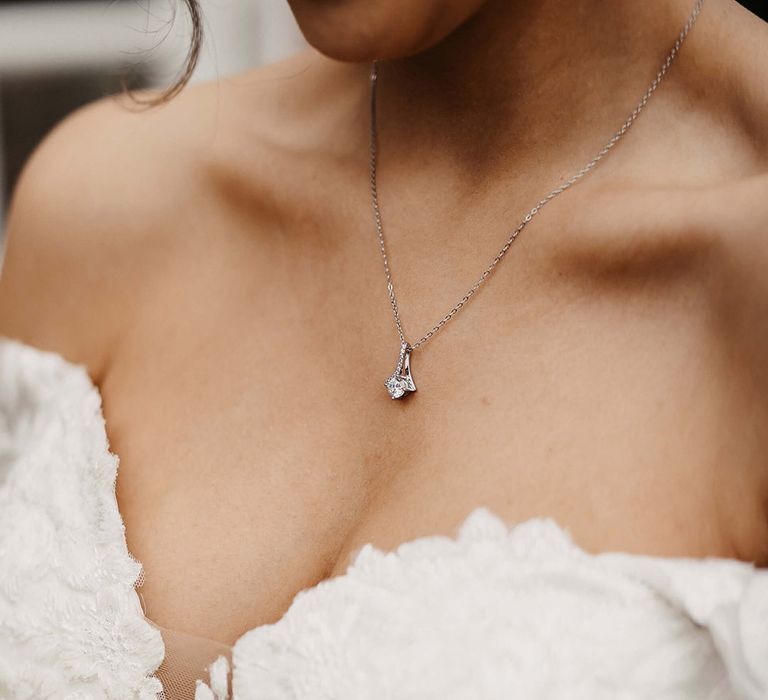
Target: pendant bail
[400, 383]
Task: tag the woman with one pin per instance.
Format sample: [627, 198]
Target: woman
[214, 266]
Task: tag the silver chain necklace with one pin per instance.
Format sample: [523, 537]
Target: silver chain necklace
[400, 383]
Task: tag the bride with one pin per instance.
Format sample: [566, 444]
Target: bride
[439, 376]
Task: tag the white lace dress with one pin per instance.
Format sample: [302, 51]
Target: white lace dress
[496, 612]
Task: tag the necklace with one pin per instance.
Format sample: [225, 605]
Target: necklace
[400, 383]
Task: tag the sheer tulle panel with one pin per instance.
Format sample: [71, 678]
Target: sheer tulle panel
[189, 659]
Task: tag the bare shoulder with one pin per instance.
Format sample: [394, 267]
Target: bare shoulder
[738, 60]
[88, 207]
[114, 192]
[737, 208]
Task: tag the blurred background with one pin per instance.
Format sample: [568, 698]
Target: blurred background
[56, 55]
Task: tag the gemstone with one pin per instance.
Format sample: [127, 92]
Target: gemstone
[397, 386]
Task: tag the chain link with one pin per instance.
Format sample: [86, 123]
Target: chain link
[602, 153]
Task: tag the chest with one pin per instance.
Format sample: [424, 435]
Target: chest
[260, 449]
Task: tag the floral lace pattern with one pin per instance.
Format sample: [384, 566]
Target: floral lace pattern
[515, 613]
[71, 623]
[496, 612]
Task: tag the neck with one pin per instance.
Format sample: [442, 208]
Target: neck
[525, 79]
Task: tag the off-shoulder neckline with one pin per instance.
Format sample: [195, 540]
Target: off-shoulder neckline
[480, 522]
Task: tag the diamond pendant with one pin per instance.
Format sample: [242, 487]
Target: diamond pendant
[400, 383]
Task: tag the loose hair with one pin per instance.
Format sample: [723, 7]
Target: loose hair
[193, 54]
[188, 67]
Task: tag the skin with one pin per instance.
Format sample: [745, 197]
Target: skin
[213, 264]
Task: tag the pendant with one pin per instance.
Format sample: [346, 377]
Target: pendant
[400, 383]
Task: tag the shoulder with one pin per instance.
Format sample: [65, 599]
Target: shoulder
[94, 192]
[112, 195]
[737, 62]
[735, 207]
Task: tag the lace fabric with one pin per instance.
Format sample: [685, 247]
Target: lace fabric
[70, 596]
[494, 612]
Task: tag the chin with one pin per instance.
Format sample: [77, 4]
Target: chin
[364, 30]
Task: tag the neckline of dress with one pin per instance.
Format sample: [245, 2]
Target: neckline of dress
[479, 518]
